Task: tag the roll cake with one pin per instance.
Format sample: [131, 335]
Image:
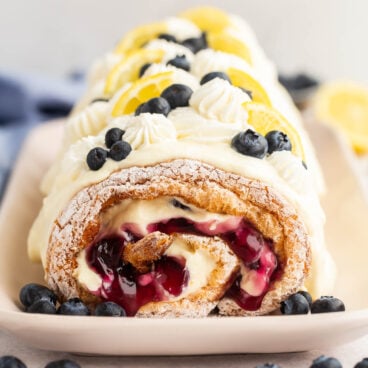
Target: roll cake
[186, 184]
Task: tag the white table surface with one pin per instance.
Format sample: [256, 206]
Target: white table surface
[348, 355]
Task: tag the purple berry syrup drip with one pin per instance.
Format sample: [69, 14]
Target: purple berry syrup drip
[124, 285]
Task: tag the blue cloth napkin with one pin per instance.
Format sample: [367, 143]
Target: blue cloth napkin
[27, 100]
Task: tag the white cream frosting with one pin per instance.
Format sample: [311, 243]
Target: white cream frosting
[146, 129]
[291, 169]
[209, 60]
[182, 29]
[179, 75]
[219, 100]
[102, 67]
[89, 121]
[156, 68]
[170, 49]
[194, 127]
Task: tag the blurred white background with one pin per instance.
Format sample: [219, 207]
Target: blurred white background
[323, 37]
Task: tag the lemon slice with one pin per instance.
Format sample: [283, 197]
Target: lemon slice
[207, 18]
[224, 41]
[264, 119]
[344, 105]
[128, 69]
[239, 78]
[139, 36]
[141, 91]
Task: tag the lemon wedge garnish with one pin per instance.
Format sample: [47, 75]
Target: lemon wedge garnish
[128, 69]
[139, 36]
[265, 119]
[344, 105]
[225, 42]
[141, 91]
[207, 18]
[241, 79]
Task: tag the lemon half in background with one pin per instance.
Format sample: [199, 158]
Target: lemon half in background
[344, 105]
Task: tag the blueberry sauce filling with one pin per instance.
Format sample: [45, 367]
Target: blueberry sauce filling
[168, 277]
[124, 285]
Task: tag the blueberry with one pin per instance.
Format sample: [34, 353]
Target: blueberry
[157, 105]
[196, 44]
[250, 143]
[326, 304]
[325, 362]
[208, 77]
[278, 141]
[73, 307]
[44, 306]
[96, 158]
[63, 363]
[268, 365]
[110, 309]
[362, 364]
[143, 69]
[167, 37]
[112, 136]
[9, 361]
[181, 62]
[298, 81]
[177, 95]
[30, 293]
[306, 296]
[295, 304]
[120, 150]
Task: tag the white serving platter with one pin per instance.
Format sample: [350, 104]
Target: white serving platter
[347, 237]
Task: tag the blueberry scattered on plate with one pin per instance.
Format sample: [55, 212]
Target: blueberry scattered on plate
[325, 362]
[31, 293]
[63, 363]
[327, 304]
[10, 361]
[295, 304]
[73, 307]
[298, 81]
[362, 364]
[43, 306]
[110, 309]
[306, 296]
